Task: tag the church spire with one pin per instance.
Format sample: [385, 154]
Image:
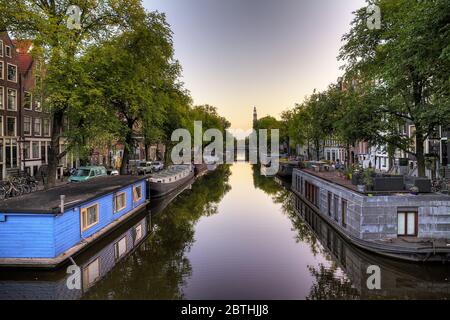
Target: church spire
[255, 117]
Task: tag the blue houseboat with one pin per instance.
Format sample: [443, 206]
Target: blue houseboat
[46, 228]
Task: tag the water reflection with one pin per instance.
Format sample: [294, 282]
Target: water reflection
[160, 267]
[233, 234]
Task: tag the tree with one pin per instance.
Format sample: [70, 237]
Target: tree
[134, 72]
[402, 71]
[45, 23]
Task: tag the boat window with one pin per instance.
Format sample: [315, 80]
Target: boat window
[120, 202]
[120, 248]
[407, 223]
[89, 217]
[137, 193]
[91, 273]
[138, 232]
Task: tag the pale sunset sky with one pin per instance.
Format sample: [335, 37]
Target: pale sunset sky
[237, 54]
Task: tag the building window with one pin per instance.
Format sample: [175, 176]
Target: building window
[43, 148]
[344, 213]
[11, 153]
[1, 133]
[2, 98]
[91, 273]
[11, 124]
[8, 51]
[89, 217]
[2, 70]
[37, 126]
[407, 223]
[35, 149]
[12, 73]
[27, 100]
[12, 99]
[120, 201]
[1, 48]
[27, 125]
[47, 127]
[26, 150]
[137, 193]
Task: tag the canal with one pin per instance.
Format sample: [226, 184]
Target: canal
[233, 234]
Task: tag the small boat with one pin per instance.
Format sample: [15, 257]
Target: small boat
[164, 182]
[286, 169]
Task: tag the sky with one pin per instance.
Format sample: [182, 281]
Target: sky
[237, 54]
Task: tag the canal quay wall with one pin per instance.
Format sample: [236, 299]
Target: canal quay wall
[374, 218]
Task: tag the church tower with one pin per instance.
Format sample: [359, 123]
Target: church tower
[255, 117]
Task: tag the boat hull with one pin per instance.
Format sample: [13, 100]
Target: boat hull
[158, 190]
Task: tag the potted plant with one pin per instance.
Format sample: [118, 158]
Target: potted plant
[368, 180]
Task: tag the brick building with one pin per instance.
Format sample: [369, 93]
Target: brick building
[35, 122]
[10, 101]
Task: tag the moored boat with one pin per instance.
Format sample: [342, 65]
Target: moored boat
[286, 168]
[166, 181]
[395, 224]
[44, 229]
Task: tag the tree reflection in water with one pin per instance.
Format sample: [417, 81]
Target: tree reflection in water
[330, 282]
[159, 268]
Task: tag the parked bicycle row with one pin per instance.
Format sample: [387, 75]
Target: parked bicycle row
[17, 186]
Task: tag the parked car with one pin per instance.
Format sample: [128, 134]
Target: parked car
[157, 166]
[145, 167]
[113, 172]
[87, 173]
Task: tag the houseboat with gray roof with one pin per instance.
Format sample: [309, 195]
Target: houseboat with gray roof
[164, 182]
[44, 229]
[394, 223]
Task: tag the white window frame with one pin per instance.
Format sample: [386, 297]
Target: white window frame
[40, 127]
[31, 100]
[7, 73]
[48, 126]
[7, 99]
[15, 125]
[32, 150]
[3, 98]
[1, 48]
[2, 125]
[31, 126]
[6, 51]
[2, 74]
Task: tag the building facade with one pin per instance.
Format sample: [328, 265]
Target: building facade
[35, 122]
[10, 100]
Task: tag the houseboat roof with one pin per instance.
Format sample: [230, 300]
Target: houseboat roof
[171, 171]
[48, 201]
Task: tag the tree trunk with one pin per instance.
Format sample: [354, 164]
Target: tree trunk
[420, 156]
[126, 151]
[53, 156]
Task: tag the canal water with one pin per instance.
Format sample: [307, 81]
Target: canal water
[233, 234]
